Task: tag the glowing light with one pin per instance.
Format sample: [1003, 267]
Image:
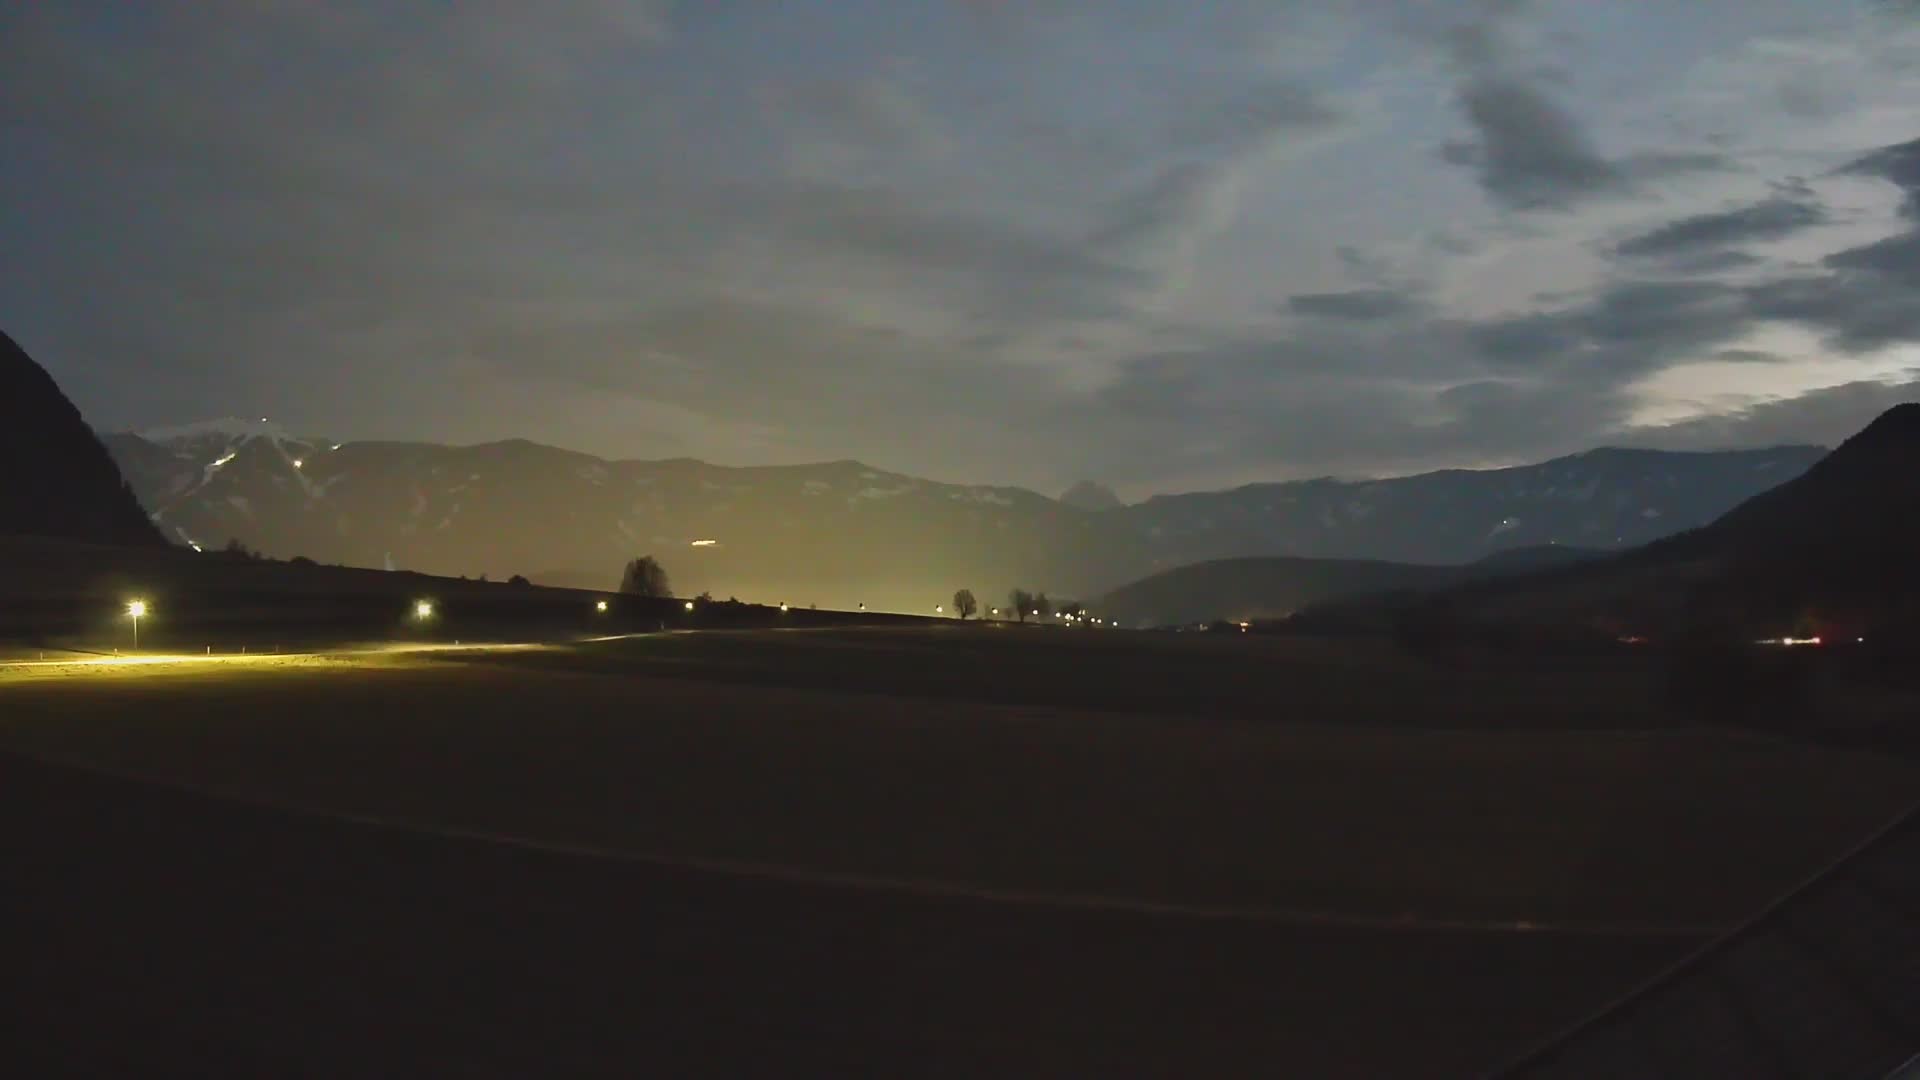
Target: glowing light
[939, 609]
[600, 606]
[230, 456]
[137, 609]
[689, 605]
[195, 546]
[297, 463]
[336, 446]
[423, 609]
[704, 543]
[783, 609]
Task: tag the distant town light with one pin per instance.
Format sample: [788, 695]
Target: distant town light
[704, 543]
[996, 611]
[783, 609]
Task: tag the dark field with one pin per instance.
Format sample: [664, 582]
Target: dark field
[945, 852]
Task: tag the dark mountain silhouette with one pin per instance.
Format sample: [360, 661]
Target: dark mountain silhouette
[1860, 505]
[1271, 588]
[1087, 495]
[60, 480]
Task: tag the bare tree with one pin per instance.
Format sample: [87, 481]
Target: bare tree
[964, 604]
[1022, 602]
[645, 577]
[1042, 607]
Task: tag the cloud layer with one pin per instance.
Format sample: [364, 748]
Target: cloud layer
[1011, 241]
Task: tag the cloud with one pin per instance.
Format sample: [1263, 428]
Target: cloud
[1823, 417]
[1361, 304]
[1626, 329]
[1530, 154]
[1865, 301]
[1768, 220]
[1899, 165]
[1251, 114]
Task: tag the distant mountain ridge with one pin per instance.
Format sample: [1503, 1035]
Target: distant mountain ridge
[60, 480]
[843, 533]
[1277, 587]
[1832, 551]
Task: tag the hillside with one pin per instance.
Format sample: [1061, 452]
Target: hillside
[1270, 588]
[1830, 552]
[844, 533]
[60, 480]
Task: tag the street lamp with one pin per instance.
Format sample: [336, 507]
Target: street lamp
[689, 605]
[600, 606]
[136, 611]
[423, 610]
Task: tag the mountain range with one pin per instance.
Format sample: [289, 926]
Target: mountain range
[845, 533]
[1829, 553]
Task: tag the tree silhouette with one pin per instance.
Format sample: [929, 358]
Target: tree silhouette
[1022, 602]
[964, 604]
[645, 577]
[1041, 605]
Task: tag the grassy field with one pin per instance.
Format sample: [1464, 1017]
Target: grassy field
[1318, 802]
[1243, 773]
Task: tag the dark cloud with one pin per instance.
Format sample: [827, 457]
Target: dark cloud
[1768, 220]
[1865, 301]
[1823, 417]
[1899, 165]
[1857, 311]
[1530, 153]
[1627, 328]
[1360, 304]
[1894, 259]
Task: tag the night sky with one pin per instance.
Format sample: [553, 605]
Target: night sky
[1159, 244]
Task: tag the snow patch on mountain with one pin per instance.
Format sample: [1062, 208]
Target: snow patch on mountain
[231, 427]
